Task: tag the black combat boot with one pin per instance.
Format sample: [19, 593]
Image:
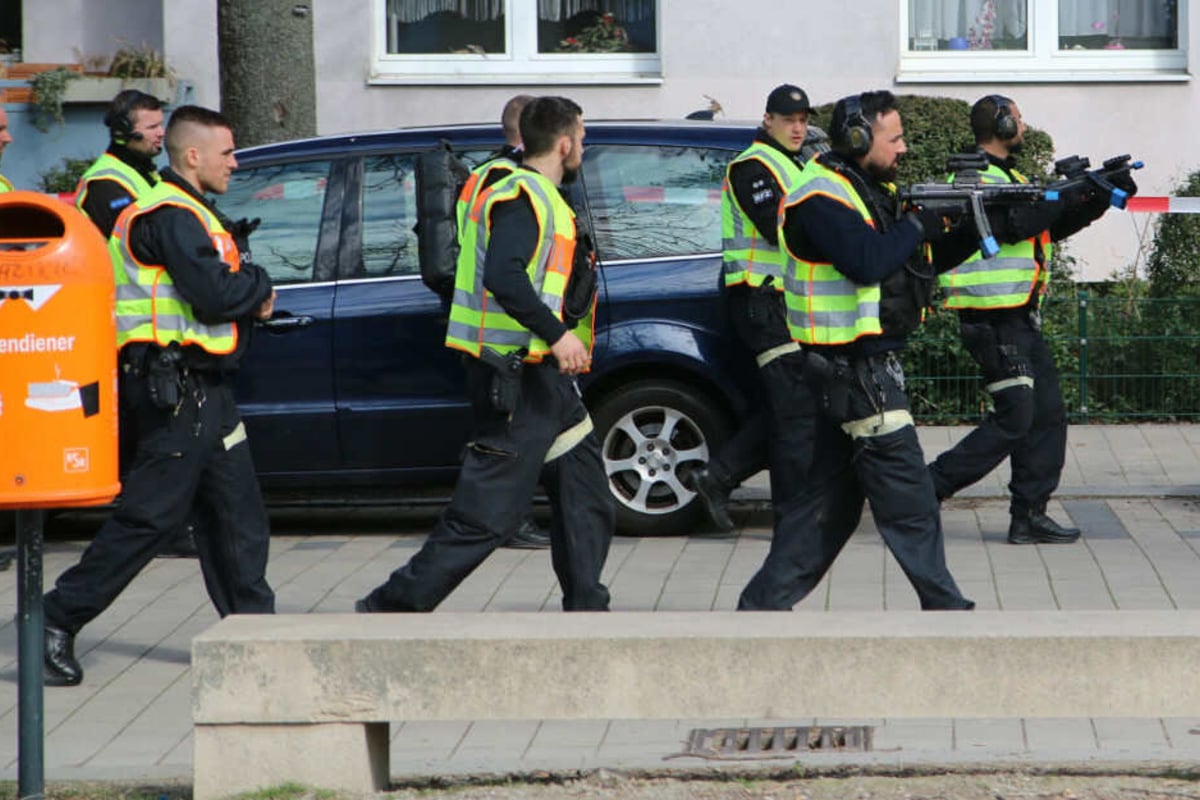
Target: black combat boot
[714, 493]
[528, 536]
[61, 668]
[1037, 528]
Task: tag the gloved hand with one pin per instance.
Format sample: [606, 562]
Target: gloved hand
[244, 227]
[931, 224]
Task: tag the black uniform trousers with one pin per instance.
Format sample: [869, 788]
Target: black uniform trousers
[1028, 423]
[759, 317]
[504, 460]
[884, 466]
[193, 461]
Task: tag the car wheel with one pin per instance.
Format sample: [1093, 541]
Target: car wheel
[652, 435]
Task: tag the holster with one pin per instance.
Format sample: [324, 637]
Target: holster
[505, 389]
[164, 371]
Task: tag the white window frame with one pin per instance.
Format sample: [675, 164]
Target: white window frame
[1043, 62]
[522, 64]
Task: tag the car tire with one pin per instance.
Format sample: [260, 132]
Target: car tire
[652, 434]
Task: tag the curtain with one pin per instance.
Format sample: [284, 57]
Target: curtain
[947, 19]
[624, 10]
[406, 11]
[1116, 17]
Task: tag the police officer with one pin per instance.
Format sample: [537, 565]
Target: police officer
[856, 281]
[510, 317]
[5, 139]
[122, 173]
[755, 183]
[997, 302]
[185, 303]
[527, 536]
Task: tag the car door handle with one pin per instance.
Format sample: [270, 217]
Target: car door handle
[287, 323]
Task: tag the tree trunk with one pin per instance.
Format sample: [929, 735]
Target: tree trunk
[268, 82]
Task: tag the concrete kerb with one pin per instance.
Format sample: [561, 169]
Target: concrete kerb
[309, 697]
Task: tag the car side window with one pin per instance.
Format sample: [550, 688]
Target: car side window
[288, 198]
[389, 241]
[389, 214]
[649, 202]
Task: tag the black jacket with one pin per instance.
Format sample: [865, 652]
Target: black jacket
[175, 238]
[757, 192]
[106, 199]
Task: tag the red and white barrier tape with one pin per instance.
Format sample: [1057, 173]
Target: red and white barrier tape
[1163, 205]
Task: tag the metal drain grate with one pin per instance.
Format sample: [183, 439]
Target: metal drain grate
[752, 743]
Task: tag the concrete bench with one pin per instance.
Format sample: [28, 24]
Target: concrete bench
[308, 698]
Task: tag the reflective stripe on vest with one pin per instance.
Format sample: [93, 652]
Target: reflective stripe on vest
[477, 181]
[110, 168]
[1004, 281]
[149, 309]
[746, 256]
[823, 305]
[477, 319]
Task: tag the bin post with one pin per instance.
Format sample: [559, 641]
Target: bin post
[31, 637]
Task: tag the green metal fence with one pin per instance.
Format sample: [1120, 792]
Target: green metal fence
[1120, 359]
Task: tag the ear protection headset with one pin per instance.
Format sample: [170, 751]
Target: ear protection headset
[855, 133]
[1005, 125]
[119, 118]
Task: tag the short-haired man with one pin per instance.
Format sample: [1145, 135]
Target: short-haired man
[185, 304]
[756, 182]
[527, 536]
[997, 302]
[511, 318]
[856, 283]
[123, 173]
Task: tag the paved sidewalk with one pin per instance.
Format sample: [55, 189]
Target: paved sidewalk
[1133, 489]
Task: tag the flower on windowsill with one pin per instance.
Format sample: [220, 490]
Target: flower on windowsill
[604, 36]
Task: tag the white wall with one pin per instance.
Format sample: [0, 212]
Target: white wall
[736, 52]
[61, 31]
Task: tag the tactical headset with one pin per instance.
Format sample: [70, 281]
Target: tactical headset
[855, 132]
[1004, 125]
[119, 117]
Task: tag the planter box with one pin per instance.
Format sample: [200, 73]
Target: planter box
[89, 89]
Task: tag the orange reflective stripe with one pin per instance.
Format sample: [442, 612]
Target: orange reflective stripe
[561, 255]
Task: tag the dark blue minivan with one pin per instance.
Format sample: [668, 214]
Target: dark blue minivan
[348, 391]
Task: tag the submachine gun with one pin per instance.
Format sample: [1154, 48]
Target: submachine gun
[967, 194]
[1075, 173]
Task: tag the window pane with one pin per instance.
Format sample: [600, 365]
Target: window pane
[389, 244]
[968, 25]
[288, 198]
[655, 201]
[445, 26]
[597, 26]
[1117, 25]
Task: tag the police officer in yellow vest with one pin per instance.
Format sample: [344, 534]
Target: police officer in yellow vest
[125, 171]
[997, 303]
[510, 318]
[5, 139]
[856, 282]
[185, 304]
[752, 282]
[527, 536]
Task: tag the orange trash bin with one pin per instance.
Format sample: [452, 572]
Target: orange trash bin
[58, 357]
